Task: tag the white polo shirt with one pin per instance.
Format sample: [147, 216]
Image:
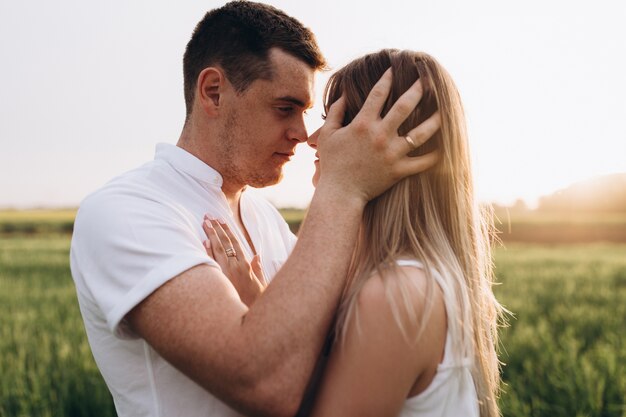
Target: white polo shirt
[133, 235]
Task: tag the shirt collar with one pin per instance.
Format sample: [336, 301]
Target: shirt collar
[183, 161]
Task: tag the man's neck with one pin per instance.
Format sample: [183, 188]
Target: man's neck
[191, 142]
[233, 195]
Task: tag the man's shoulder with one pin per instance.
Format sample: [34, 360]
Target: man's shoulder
[136, 178]
[150, 180]
[136, 191]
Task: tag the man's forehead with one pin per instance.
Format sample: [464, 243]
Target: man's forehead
[293, 78]
[296, 91]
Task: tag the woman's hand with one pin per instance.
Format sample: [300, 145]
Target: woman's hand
[223, 246]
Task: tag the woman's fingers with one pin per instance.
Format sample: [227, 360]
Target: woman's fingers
[232, 239]
[222, 241]
[221, 234]
[215, 243]
[225, 248]
[257, 268]
[208, 248]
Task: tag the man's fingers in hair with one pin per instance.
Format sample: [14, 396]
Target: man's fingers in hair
[403, 107]
[425, 130]
[421, 134]
[334, 118]
[376, 98]
[411, 165]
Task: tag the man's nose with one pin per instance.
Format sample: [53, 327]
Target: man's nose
[298, 132]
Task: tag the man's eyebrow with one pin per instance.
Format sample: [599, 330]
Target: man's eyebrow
[296, 101]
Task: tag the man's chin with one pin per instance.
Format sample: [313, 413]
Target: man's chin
[265, 182]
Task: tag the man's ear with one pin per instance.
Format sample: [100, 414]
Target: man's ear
[209, 90]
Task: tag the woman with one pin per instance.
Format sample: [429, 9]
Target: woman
[417, 326]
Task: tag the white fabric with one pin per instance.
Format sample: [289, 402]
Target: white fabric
[133, 235]
[451, 392]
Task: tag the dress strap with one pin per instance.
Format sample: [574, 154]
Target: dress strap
[451, 364]
[409, 262]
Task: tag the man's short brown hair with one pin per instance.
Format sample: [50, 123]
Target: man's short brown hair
[238, 37]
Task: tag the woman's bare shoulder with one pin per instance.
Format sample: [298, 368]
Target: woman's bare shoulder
[397, 282]
[406, 299]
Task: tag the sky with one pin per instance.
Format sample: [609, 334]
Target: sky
[88, 88]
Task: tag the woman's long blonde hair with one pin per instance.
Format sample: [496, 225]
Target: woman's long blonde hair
[432, 217]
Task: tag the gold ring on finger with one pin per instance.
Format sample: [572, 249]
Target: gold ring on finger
[411, 142]
[231, 253]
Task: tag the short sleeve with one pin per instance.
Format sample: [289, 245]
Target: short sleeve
[127, 246]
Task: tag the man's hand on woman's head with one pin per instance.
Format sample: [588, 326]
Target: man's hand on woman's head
[367, 156]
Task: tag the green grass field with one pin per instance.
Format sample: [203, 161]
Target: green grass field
[565, 349]
[46, 367]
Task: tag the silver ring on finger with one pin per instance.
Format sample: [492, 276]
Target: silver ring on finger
[411, 142]
[231, 253]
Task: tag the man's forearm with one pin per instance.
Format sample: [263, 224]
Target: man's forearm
[289, 323]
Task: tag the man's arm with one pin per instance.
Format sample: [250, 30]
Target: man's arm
[256, 360]
[259, 360]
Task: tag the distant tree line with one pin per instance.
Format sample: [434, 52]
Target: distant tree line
[605, 194]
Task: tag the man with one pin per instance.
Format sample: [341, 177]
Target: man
[168, 330]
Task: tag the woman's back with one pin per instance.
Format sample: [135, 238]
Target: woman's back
[382, 368]
[451, 392]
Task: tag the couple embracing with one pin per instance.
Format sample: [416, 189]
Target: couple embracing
[198, 300]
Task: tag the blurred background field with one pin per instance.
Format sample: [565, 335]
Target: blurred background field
[29, 222]
[563, 275]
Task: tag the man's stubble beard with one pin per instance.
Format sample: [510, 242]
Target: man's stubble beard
[233, 168]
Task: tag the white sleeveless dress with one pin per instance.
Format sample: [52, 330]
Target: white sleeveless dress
[451, 393]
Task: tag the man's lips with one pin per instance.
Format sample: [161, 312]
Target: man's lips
[284, 155]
